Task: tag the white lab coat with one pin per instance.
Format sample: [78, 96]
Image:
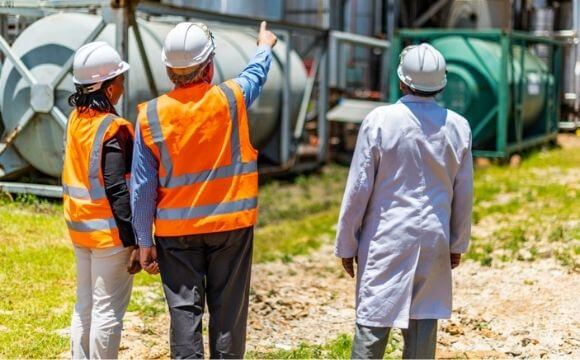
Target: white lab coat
[406, 206]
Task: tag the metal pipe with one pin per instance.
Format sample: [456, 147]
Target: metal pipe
[335, 58]
[286, 97]
[52, 191]
[122, 42]
[576, 24]
[59, 116]
[392, 16]
[384, 74]
[299, 129]
[144, 57]
[60, 4]
[11, 134]
[434, 9]
[323, 107]
[503, 96]
[18, 64]
[393, 80]
[359, 39]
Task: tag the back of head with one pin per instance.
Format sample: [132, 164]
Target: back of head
[422, 68]
[95, 66]
[187, 51]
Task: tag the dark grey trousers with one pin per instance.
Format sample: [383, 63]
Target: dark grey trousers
[420, 340]
[214, 267]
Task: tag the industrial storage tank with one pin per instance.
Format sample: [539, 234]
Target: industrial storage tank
[473, 77]
[46, 45]
[509, 95]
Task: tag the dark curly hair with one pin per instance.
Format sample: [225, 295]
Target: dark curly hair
[96, 101]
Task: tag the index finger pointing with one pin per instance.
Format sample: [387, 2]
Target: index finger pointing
[263, 26]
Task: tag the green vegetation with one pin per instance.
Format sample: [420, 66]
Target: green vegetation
[37, 276]
[523, 214]
[299, 216]
[338, 348]
[530, 211]
[37, 279]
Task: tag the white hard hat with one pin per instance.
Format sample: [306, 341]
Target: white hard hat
[188, 44]
[422, 68]
[95, 63]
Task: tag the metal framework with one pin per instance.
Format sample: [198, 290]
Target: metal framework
[124, 13]
[337, 64]
[506, 118]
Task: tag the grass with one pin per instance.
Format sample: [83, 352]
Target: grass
[298, 217]
[529, 212]
[338, 348]
[520, 214]
[37, 279]
[37, 276]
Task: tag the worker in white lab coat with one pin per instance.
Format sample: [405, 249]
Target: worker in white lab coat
[406, 212]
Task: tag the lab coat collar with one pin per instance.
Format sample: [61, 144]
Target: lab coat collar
[414, 99]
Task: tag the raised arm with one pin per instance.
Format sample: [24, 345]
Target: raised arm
[253, 77]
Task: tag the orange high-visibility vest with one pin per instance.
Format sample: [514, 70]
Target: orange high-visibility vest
[87, 211]
[208, 176]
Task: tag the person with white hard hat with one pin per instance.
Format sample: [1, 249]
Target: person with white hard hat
[195, 178]
[97, 163]
[406, 213]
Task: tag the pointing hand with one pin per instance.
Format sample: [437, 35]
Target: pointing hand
[266, 37]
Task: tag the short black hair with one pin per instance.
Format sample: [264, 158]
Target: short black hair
[96, 101]
[421, 93]
[425, 93]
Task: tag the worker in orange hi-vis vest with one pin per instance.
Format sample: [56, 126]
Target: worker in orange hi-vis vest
[195, 179]
[97, 209]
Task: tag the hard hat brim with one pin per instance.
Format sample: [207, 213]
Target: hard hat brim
[193, 62]
[123, 68]
[417, 87]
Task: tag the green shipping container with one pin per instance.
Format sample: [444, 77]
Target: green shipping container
[508, 94]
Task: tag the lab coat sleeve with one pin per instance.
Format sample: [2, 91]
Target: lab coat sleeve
[359, 188]
[462, 205]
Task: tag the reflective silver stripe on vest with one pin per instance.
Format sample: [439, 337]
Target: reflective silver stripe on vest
[96, 191]
[76, 192]
[217, 173]
[159, 140]
[236, 168]
[92, 225]
[207, 210]
[235, 137]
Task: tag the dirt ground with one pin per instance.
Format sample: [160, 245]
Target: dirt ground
[511, 309]
[532, 312]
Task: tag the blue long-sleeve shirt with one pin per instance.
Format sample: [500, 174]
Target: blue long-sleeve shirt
[145, 167]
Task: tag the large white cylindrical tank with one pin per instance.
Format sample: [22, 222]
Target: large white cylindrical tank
[261, 9]
[48, 43]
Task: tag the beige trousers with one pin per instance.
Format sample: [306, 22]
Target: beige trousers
[103, 293]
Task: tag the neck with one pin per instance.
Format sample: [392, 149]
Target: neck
[189, 85]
